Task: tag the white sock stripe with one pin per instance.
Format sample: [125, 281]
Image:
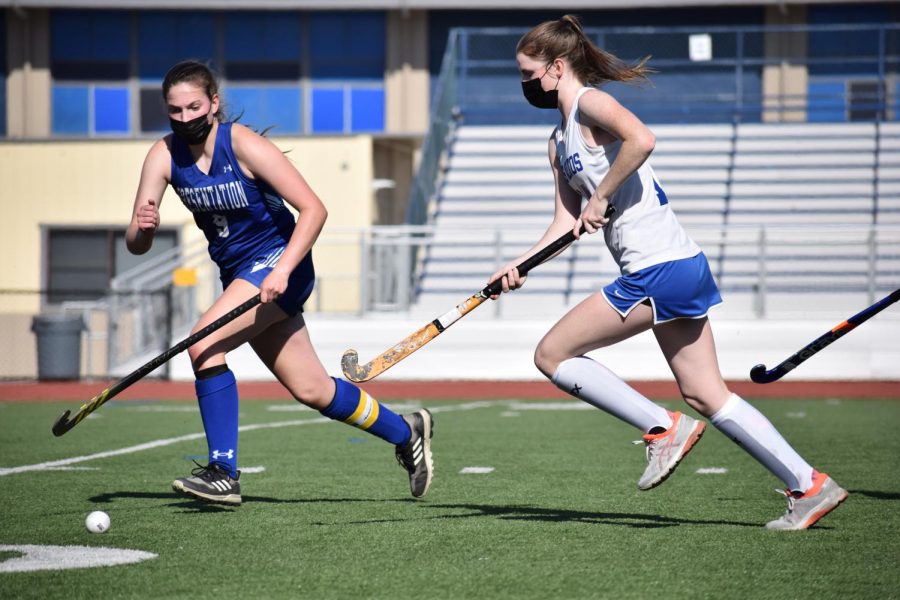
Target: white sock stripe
[366, 411]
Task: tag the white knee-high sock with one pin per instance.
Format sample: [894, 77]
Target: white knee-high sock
[590, 381]
[752, 431]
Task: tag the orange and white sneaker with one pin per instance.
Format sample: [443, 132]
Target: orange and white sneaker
[665, 450]
[805, 509]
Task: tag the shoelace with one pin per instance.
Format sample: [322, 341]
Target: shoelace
[648, 451]
[199, 470]
[790, 499]
[206, 471]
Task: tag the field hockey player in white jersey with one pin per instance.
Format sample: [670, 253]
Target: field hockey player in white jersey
[236, 183]
[598, 154]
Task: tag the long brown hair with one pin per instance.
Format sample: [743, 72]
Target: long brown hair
[564, 38]
[197, 73]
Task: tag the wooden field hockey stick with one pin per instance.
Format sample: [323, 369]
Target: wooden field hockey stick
[64, 423]
[759, 374]
[390, 357]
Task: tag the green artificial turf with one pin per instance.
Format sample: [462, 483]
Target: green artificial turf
[330, 516]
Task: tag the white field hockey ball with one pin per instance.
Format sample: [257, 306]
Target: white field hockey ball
[97, 522]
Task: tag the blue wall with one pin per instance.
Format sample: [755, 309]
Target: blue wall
[292, 71]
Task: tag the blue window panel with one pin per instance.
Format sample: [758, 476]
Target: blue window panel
[70, 35]
[367, 106]
[261, 108]
[89, 35]
[2, 104]
[70, 110]
[347, 45]
[895, 107]
[245, 104]
[366, 35]
[254, 36]
[111, 110]
[826, 102]
[328, 35]
[283, 109]
[3, 78]
[165, 38]
[327, 110]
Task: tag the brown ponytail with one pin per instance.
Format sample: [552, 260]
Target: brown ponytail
[564, 38]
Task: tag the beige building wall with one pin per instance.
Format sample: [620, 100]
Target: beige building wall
[28, 68]
[785, 84]
[91, 182]
[406, 78]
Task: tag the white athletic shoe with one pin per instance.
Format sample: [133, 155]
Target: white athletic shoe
[665, 450]
[805, 509]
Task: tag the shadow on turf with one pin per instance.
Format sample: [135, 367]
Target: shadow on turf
[201, 506]
[552, 515]
[877, 495]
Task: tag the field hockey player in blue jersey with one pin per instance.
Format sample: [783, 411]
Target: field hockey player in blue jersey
[235, 183]
[598, 154]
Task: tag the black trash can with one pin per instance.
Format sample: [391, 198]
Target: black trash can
[58, 345]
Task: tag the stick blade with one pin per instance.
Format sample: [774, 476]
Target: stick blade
[62, 424]
[351, 369]
[758, 374]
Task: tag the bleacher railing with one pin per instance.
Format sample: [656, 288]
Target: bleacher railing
[440, 128]
[707, 74]
[774, 267]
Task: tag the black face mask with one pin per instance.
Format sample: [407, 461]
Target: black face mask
[194, 131]
[538, 96]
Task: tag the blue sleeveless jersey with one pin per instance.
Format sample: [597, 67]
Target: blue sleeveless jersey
[243, 219]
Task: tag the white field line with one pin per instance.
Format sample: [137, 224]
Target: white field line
[476, 470]
[712, 470]
[148, 446]
[54, 464]
[466, 406]
[551, 406]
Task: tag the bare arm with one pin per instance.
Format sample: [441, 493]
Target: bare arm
[600, 110]
[155, 175]
[265, 161]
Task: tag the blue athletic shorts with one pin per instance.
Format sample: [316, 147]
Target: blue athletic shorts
[679, 289]
[300, 283]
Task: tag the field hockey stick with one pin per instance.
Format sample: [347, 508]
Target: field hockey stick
[64, 423]
[759, 374]
[390, 357]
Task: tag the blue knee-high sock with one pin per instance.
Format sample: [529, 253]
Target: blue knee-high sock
[355, 407]
[218, 399]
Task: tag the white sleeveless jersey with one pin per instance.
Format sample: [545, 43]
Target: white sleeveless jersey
[643, 231]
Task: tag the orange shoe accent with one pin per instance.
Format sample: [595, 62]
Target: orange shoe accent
[650, 437]
[818, 479]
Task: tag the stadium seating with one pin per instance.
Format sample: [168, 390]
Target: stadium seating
[778, 208]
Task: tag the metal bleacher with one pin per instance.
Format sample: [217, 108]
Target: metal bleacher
[784, 209]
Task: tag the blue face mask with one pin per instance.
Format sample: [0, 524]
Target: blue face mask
[538, 96]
